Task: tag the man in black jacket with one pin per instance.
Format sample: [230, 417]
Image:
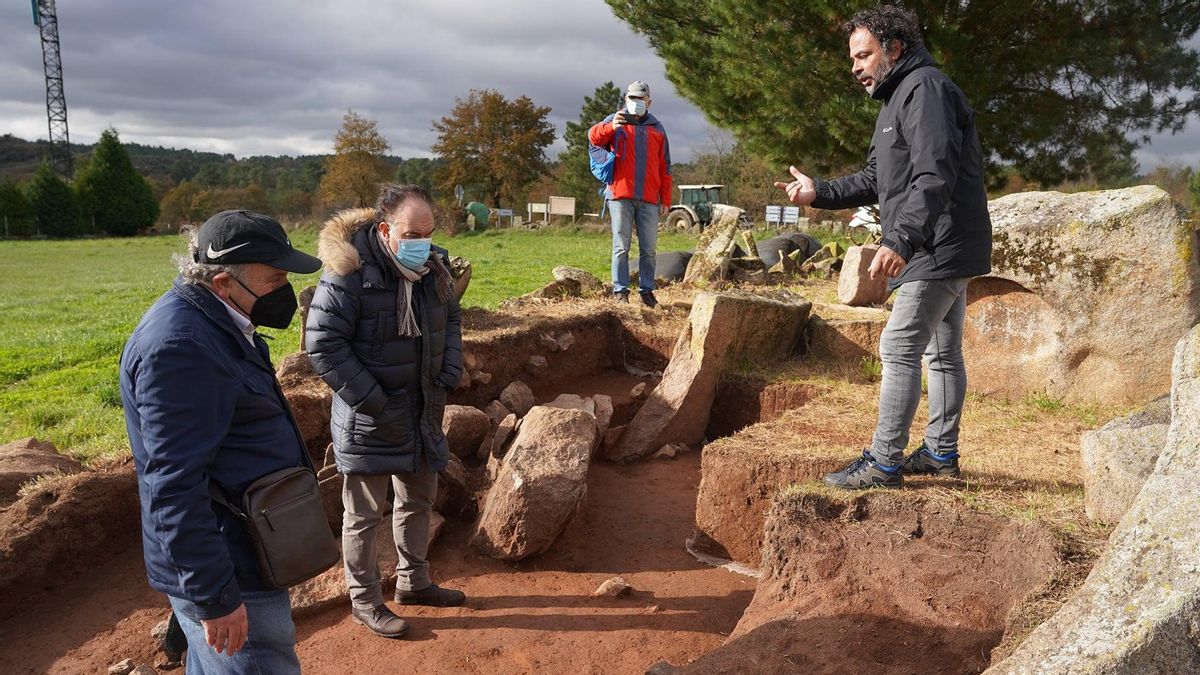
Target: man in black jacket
[384, 333]
[925, 169]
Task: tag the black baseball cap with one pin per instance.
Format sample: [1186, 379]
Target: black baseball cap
[237, 237]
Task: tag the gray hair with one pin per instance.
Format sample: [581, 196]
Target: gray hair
[194, 272]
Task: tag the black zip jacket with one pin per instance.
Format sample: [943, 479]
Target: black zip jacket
[925, 169]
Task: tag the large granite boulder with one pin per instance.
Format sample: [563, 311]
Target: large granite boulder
[310, 399]
[1139, 609]
[1119, 456]
[24, 460]
[1089, 292]
[710, 261]
[844, 333]
[540, 485]
[723, 328]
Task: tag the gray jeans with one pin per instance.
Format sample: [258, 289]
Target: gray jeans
[927, 318]
[364, 499]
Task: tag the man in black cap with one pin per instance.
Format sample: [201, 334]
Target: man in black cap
[203, 407]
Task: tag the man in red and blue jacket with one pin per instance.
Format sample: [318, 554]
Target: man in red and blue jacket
[641, 188]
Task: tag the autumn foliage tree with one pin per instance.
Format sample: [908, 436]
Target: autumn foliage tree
[494, 144]
[354, 172]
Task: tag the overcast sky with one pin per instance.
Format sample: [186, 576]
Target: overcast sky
[275, 77]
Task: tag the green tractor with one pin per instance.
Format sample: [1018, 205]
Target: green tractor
[694, 212]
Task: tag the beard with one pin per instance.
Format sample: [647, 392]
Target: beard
[886, 65]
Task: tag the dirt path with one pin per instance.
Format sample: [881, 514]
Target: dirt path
[534, 616]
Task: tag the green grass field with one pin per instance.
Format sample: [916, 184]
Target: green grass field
[66, 308]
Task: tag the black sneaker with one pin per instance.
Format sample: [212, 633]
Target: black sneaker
[380, 620]
[621, 296]
[432, 596]
[865, 472]
[925, 461]
[649, 300]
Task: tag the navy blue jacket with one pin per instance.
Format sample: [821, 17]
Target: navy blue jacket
[201, 405]
[390, 390]
[925, 169]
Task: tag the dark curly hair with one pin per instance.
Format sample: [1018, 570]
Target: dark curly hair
[887, 23]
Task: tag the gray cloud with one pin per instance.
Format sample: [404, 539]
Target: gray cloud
[275, 77]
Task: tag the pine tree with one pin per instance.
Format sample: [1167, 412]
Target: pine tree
[114, 197]
[354, 172]
[577, 180]
[55, 206]
[1055, 85]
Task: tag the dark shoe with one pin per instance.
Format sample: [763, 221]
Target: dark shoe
[865, 472]
[433, 596]
[923, 461]
[649, 300]
[380, 620]
[621, 296]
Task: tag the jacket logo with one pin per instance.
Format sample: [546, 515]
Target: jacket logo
[217, 254]
[887, 129]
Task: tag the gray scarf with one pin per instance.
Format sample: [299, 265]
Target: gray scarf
[406, 318]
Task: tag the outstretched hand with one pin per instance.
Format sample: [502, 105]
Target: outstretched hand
[802, 191]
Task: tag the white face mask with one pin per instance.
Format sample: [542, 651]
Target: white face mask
[635, 107]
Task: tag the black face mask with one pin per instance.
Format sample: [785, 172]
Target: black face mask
[274, 309]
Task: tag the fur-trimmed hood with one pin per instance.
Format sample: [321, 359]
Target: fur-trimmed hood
[335, 246]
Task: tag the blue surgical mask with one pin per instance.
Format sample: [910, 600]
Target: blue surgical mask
[634, 106]
[412, 253]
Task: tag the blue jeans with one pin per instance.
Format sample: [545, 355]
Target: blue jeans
[269, 649]
[626, 214]
[927, 318]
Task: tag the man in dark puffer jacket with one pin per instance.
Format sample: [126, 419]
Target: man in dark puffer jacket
[384, 333]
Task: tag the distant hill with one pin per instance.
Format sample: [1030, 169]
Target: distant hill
[166, 167]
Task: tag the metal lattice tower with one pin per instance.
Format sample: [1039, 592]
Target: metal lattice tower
[46, 18]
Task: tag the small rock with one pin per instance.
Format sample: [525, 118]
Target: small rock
[470, 362]
[465, 428]
[638, 393]
[143, 670]
[588, 283]
[464, 380]
[613, 588]
[604, 412]
[667, 451]
[536, 365]
[662, 668]
[517, 397]
[168, 665]
[121, 667]
[565, 341]
[159, 632]
[504, 434]
[436, 523]
[573, 402]
[613, 436]
[548, 341]
[480, 377]
[497, 411]
[485, 448]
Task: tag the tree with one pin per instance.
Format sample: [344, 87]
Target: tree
[577, 179]
[493, 143]
[113, 196]
[55, 206]
[1194, 188]
[16, 213]
[354, 172]
[1055, 85]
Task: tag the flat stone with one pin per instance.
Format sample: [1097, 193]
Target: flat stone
[122, 667]
[496, 411]
[504, 434]
[573, 402]
[536, 365]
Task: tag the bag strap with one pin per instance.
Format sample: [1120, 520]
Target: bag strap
[218, 496]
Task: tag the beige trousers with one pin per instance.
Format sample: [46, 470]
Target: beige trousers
[364, 499]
